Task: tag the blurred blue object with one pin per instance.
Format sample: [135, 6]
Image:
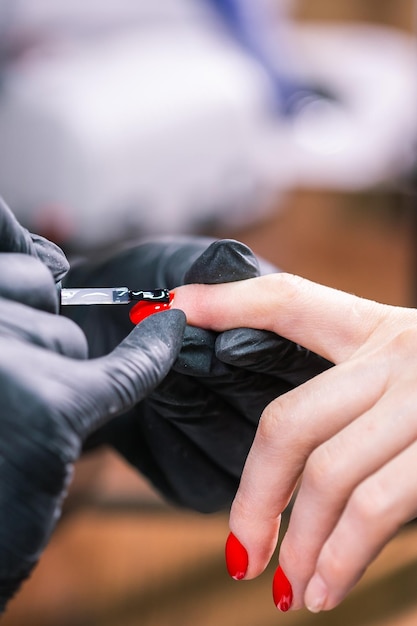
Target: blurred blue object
[121, 118]
[127, 118]
[258, 26]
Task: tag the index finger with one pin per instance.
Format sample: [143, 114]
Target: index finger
[290, 428]
[330, 322]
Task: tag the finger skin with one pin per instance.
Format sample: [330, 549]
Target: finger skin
[374, 514]
[331, 323]
[337, 468]
[344, 418]
[278, 454]
[205, 411]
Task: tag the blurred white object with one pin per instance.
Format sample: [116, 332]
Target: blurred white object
[368, 136]
[152, 133]
[160, 125]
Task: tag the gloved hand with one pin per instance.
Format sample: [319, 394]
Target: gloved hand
[191, 436]
[51, 397]
[15, 238]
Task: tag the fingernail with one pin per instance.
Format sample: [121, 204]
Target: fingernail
[143, 309]
[316, 594]
[281, 590]
[236, 558]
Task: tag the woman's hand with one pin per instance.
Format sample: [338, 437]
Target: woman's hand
[347, 437]
[204, 414]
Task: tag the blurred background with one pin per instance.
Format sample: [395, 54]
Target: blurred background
[289, 125]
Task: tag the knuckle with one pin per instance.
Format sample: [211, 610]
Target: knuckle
[403, 344]
[290, 558]
[270, 428]
[319, 468]
[368, 503]
[291, 287]
[332, 561]
[267, 422]
[242, 508]
[293, 281]
[278, 434]
[325, 469]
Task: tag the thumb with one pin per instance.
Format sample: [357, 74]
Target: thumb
[113, 384]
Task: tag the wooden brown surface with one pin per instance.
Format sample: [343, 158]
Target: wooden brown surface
[123, 558]
[398, 14]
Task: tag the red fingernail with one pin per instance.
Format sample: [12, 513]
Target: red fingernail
[282, 591]
[144, 308]
[236, 558]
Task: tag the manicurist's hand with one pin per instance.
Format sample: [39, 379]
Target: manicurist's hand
[190, 437]
[348, 437]
[16, 239]
[52, 397]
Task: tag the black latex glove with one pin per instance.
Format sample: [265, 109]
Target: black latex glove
[191, 436]
[51, 398]
[15, 238]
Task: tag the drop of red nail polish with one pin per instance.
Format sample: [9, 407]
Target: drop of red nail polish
[236, 558]
[282, 591]
[143, 309]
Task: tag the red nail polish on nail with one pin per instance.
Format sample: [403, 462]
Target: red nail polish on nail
[236, 558]
[144, 308]
[282, 591]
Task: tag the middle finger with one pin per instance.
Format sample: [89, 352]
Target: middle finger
[279, 452]
[332, 473]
